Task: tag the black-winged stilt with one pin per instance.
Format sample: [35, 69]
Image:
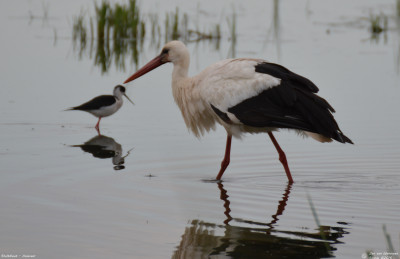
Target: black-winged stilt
[104, 105]
[246, 95]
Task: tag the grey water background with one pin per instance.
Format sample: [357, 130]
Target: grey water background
[59, 200]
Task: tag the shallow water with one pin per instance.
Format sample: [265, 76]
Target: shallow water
[61, 197]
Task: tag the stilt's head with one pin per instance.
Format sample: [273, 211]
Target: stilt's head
[119, 90]
[174, 51]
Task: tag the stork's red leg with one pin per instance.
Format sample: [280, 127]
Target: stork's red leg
[227, 157]
[282, 157]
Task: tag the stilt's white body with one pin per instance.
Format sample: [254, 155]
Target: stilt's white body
[105, 111]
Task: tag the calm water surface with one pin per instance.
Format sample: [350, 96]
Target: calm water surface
[143, 189]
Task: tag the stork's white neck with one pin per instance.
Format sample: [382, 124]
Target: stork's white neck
[186, 91]
[181, 68]
[180, 80]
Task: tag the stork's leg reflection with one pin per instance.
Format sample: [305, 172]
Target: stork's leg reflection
[224, 197]
[281, 205]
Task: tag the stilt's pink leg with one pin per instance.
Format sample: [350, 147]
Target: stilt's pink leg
[227, 157]
[98, 124]
[282, 157]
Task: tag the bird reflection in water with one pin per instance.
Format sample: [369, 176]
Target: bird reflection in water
[257, 239]
[105, 147]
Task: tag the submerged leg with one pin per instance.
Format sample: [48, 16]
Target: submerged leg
[282, 157]
[227, 157]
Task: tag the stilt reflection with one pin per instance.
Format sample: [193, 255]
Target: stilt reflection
[105, 147]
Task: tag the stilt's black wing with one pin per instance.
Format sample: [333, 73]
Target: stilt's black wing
[96, 103]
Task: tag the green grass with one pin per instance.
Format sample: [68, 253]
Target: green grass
[378, 23]
[233, 35]
[391, 253]
[398, 8]
[389, 243]
[79, 33]
[117, 31]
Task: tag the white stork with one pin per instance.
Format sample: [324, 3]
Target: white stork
[246, 95]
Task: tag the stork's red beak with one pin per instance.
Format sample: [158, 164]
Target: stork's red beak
[156, 62]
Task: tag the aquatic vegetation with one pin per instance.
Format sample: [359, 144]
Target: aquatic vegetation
[320, 227]
[389, 243]
[378, 23]
[171, 26]
[120, 31]
[398, 8]
[232, 30]
[79, 33]
[390, 253]
[44, 17]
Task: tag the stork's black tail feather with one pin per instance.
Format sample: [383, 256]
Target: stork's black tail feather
[342, 138]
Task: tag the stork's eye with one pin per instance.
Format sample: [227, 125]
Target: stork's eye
[165, 51]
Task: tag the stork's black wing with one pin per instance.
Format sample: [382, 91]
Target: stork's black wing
[293, 104]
